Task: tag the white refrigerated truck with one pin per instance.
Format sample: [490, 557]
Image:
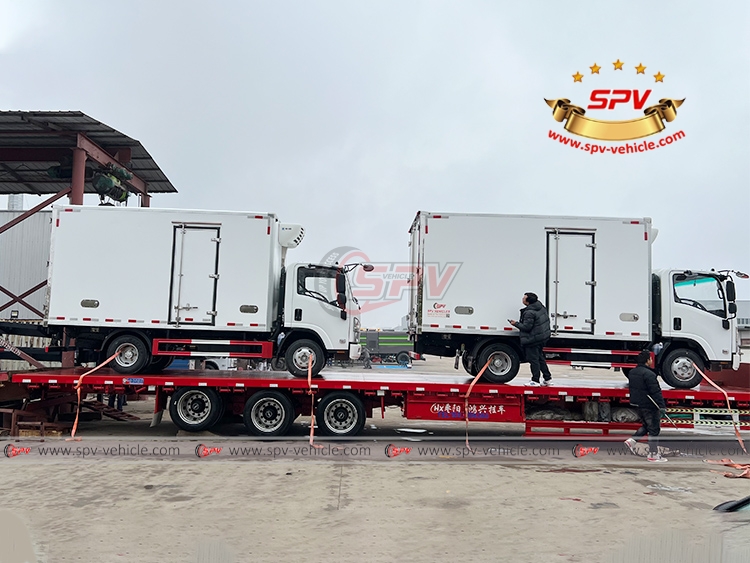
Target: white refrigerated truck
[594, 276]
[171, 283]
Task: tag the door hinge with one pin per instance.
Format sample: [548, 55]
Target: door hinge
[591, 283]
[212, 313]
[591, 245]
[214, 276]
[217, 239]
[590, 321]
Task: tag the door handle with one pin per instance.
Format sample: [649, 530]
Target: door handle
[677, 323]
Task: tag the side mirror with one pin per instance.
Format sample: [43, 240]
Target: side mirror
[368, 267]
[341, 300]
[731, 293]
[343, 315]
[340, 283]
[732, 308]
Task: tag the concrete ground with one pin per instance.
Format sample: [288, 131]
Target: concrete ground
[276, 504]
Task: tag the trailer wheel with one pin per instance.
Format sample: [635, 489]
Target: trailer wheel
[268, 413]
[678, 371]
[132, 354]
[195, 409]
[340, 414]
[298, 354]
[504, 363]
[403, 358]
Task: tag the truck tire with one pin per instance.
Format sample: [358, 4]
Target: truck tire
[160, 363]
[677, 368]
[470, 369]
[268, 413]
[133, 355]
[403, 358]
[278, 364]
[297, 355]
[340, 414]
[195, 409]
[504, 363]
[210, 365]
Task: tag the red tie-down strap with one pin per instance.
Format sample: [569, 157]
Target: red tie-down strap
[466, 399]
[736, 430]
[78, 391]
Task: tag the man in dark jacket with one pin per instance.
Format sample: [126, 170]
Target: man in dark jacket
[534, 328]
[645, 394]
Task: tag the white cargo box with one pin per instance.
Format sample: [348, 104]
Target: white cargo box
[592, 274]
[163, 268]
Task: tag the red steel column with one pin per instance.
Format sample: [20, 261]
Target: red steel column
[79, 176]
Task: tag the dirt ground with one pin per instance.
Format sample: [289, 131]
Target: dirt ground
[186, 508]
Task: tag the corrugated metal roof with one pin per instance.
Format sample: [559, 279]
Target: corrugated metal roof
[57, 130]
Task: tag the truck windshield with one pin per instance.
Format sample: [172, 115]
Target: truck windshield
[318, 283]
[700, 291]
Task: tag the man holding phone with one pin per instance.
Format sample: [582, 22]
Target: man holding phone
[534, 328]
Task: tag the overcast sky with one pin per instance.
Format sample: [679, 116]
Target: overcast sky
[348, 117]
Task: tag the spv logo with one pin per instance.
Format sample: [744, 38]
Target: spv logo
[385, 283]
[618, 91]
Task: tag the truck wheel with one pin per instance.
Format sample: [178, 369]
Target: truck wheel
[268, 413]
[298, 354]
[678, 371]
[278, 364]
[403, 358]
[471, 370]
[340, 414]
[504, 363]
[210, 365]
[195, 409]
[160, 363]
[132, 354]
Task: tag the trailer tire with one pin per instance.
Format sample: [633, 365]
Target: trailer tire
[268, 413]
[195, 409]
[504, 365]
[297, 355]
[677, 368]
[133, 355]
[340, 414]
[403, 358]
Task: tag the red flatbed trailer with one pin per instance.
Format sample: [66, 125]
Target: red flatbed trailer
[271, 401]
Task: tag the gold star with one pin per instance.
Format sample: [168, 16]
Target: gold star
[640, 68]
[577, 77]
[618, 64]
[659, 77]
[595, 69]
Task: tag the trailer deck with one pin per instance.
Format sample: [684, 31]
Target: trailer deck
[358, 393]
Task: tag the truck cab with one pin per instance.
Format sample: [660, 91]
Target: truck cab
[694, 318]
[320, 317]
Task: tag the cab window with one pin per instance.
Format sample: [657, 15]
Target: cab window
[700, 291]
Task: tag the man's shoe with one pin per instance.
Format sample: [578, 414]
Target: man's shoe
[546, 383]
[656, 458]
[630, 443]
[533, 383]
